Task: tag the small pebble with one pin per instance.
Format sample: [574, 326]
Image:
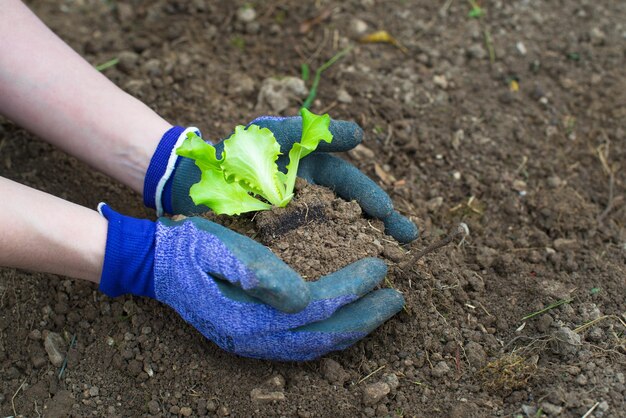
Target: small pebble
[153, 407]
[246, 14]
[55, 347]
[374, 392]
[440, 369]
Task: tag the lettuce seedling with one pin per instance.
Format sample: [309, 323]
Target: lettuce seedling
[246, 177]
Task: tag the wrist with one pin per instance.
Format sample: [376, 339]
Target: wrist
[128, 266]
[158, 180]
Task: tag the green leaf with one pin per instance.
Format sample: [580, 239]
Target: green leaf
[222, 197]
[250, 159]
[202, 152]
[248, 166]
[315, 128]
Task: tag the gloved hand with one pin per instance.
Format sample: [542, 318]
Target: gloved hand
[169, 177]
[237, 293]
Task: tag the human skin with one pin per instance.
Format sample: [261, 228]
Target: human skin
[44, 233]
[49, 89]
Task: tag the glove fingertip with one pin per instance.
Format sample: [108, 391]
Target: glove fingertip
[401, 228]
[346, 135]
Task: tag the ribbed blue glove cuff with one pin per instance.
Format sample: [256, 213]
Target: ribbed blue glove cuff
[129, 255]
[158, 166]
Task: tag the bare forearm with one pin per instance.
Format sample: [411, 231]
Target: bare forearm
[50, 90]
[43, 233]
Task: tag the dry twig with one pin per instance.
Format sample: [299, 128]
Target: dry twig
[461, 230]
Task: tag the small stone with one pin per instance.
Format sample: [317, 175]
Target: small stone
[127, 61]
[456, 175]
[260, 395]
[361, 152]
[544, 323]
[246, 14]
[55, 347]
[440, 369]
[521, 48]
[475, 354]
[186, 411]
[434, 204]
[175, 409]
[392, 380]
[458, 138]
[240, 84]
[343, 96]
[567, 341]
[551, 409]
[597, 36]
[477, 51]
[554, 182]
[278, 94]
[357, 27]
[374, 392]
[333, 372]
[529, 410]
[563, 244]
[595, 334]
[440, 81]
[603, 406]
[223, 411]
[393, 252]
[519, 185]
[211, 406]
[277, 381]
[146, 330]
[153, 407]
[35, 335]
[581, 379]
[94, 391]
[152, 67]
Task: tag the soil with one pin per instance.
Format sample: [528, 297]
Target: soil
[512, 123]
[317, 233]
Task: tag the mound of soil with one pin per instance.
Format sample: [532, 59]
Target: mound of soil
[317, 233]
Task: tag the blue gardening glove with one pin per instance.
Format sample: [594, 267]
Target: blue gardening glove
[169, 177]
[237, 293]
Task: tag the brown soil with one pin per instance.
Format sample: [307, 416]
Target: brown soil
[536, 173]
[317, 233]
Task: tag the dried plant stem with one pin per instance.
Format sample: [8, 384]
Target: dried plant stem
[460, 230]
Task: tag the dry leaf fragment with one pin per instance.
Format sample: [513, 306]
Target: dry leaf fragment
[382, 36]
[384, 176]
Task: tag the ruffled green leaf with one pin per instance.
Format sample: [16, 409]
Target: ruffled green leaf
[202, 152]
[222, 197]
[248, 167]
[250, 160]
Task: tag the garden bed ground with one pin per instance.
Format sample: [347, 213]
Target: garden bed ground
[513, 124]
